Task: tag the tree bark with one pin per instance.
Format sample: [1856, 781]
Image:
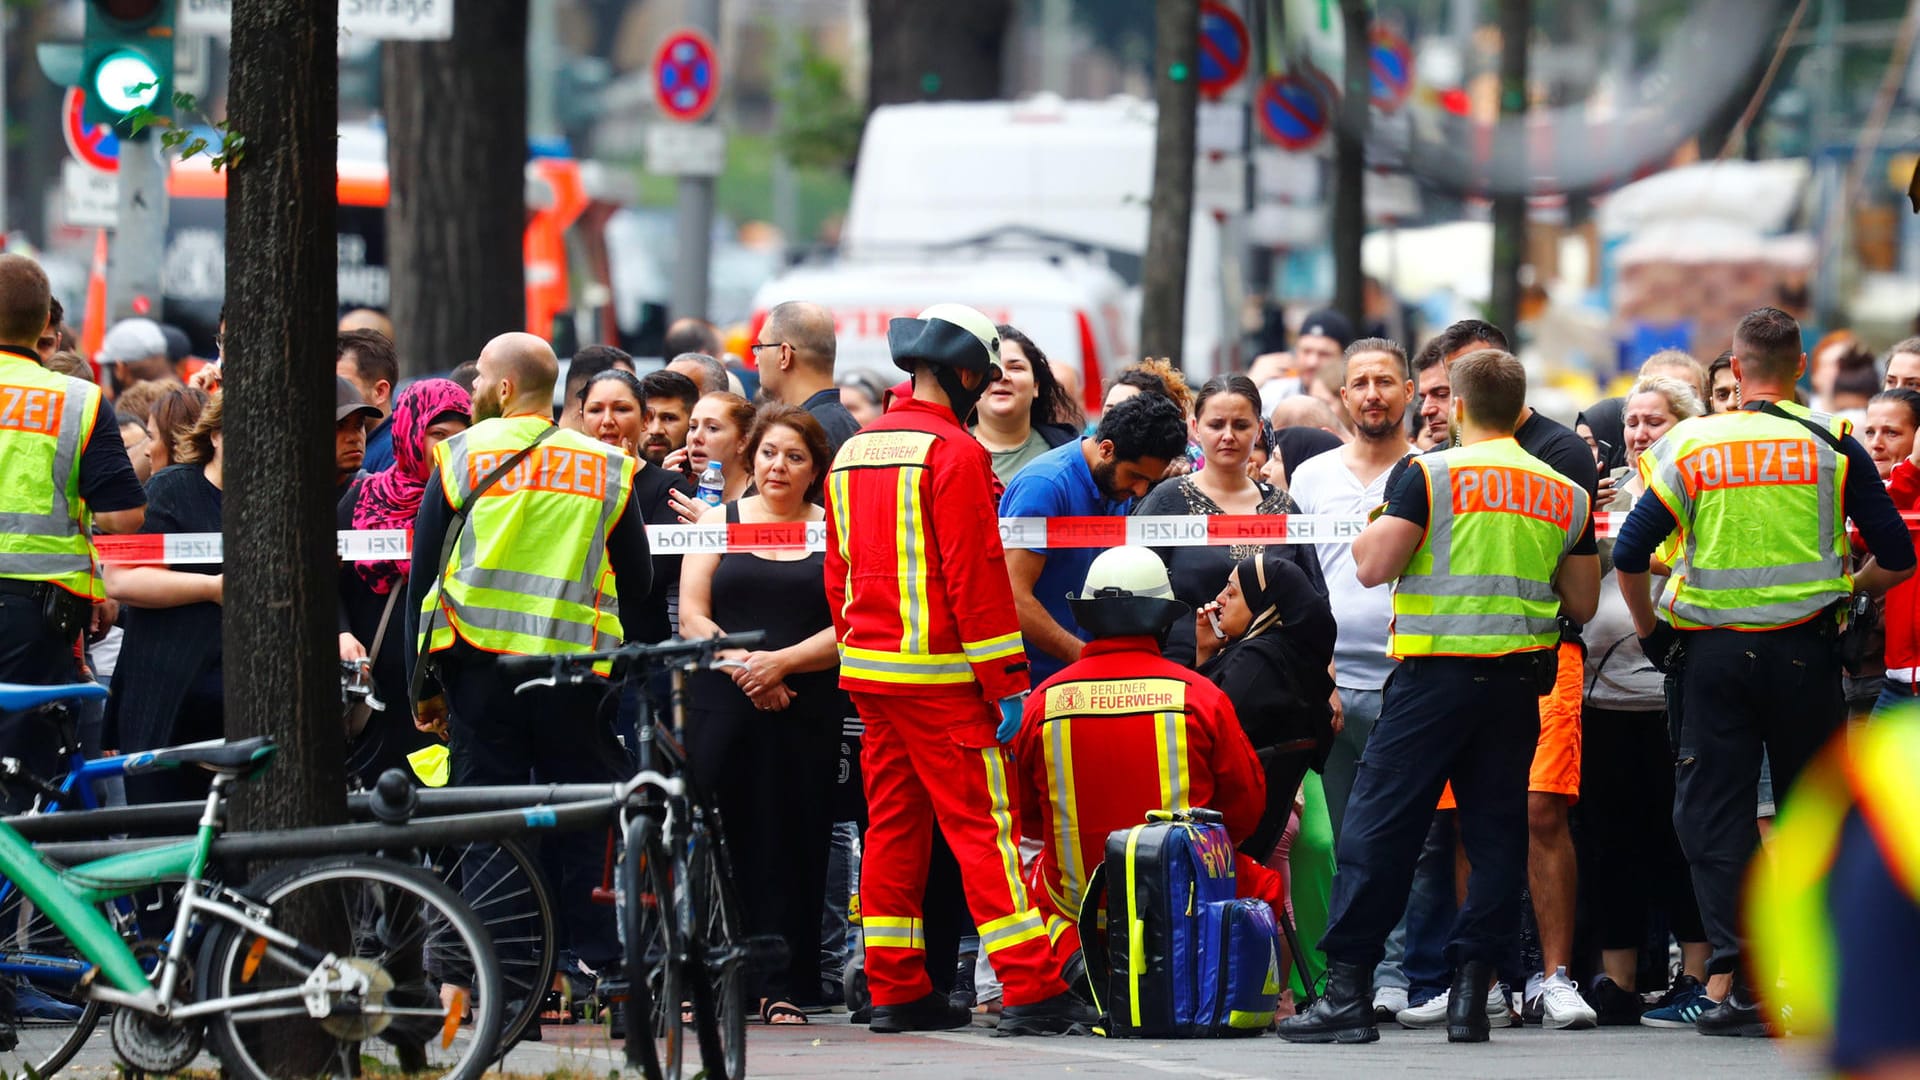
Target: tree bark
[1350, 161]
[1163, 281]
[456, 144]
[951, 51]
[1510, 211]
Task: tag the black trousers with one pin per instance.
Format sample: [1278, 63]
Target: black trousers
[1472, 720]
[772, 776]
[1740, 693]
[30, 653]
[1633, 865]
[547, 735]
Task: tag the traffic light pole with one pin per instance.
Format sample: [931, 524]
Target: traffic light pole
[694, 217]
[140, 239]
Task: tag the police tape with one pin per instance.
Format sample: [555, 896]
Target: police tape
[1033, 533]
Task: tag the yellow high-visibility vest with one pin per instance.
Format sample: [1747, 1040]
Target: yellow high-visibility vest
[45, 527]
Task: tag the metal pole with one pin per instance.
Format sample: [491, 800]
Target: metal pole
[694, 217]
[543, 69]
[140, 238]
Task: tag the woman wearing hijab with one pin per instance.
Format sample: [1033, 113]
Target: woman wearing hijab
[371, 593]
[1270, 652]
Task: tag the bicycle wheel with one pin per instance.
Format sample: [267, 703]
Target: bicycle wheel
[507, 890]
[49, 1014]
[654, 991]
[718, 945]
[436, 1005]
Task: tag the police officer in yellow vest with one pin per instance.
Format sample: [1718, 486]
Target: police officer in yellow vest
[1837, 911]
[1760, 497]
[63, 474]
[539, 567]
[1489, 547]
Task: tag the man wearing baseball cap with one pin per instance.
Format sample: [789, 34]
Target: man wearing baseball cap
[134, 350]
[930, 651]
[351, 414]
[1322, 339]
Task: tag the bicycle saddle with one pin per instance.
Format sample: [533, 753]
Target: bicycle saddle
[16, 697]
[235, 757]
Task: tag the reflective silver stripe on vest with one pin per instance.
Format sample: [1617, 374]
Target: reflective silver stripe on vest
[1488, 585]
[514, 622]
[1759, 577]
[1439, 522]
[60, 519]
[1780, 614]
[858, 664]
[1478, 625]
[1582, 512]
[42, 564]
[540, 585]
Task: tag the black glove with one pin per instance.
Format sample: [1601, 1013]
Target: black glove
[1659, 646]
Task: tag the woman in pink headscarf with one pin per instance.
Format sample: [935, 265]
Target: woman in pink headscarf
[372, 594]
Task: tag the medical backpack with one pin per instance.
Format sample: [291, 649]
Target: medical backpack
[1170, 952]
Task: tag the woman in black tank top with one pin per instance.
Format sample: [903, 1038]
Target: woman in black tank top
[764, 741]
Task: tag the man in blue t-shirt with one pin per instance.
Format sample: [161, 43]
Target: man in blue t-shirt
[1099, 476]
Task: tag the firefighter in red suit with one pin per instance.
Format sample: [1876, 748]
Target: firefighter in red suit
[1123, 731]
[930, 652]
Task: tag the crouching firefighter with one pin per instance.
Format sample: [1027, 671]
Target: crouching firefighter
[1123, 731]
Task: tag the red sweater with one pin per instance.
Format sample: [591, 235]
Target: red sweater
[1903, 600]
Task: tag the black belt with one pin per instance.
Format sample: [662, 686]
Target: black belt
[16, 587]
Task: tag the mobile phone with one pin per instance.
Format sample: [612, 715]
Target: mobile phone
[1213, 620]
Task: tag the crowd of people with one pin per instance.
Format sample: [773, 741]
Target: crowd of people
[1299, 660]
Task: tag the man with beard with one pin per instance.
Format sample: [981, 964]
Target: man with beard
[1352, 481]
[670, 397]
[1090, 477]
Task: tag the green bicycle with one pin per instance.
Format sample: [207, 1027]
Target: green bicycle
[332, 966]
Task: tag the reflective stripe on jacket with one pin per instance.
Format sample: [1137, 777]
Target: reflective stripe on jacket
[529, 573]
[1499, 523]
[1759, 500]
[45, 528]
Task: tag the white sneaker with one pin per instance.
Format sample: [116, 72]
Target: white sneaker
[1561, 1005]
[1431, 1014]
[1388, 1001]
[1500, 1006]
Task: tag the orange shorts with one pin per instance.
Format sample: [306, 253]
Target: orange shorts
[1556, 760]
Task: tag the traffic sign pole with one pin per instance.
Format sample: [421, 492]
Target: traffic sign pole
[139, 239]
[694, 212]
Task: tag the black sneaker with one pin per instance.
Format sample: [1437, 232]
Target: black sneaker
[1615, 1005]
[1735, 1017]
[1061, 1014]
[931, 1013]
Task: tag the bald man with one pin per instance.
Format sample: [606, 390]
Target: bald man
[367, 318]
[540, 567]
[795, 356]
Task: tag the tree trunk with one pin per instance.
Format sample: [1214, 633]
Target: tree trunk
[456, 144]
[281, 676]
[1350, 161]
[1510, 211]
[949, 51]
[1163, 281]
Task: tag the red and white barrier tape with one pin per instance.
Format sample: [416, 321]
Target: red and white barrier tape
[1196, 530]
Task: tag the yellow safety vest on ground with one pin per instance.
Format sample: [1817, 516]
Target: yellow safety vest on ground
[45, 528]
[1759, 502]
[1499, 523]
[529, 573]
[1871, 767]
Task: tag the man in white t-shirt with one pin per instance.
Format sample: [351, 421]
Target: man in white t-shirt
[1353, 481]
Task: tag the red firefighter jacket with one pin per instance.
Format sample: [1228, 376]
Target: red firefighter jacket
[1120, 732]
[916, 577]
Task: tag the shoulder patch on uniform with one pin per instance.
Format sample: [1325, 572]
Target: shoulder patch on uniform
[1115, 697]
[885, 449]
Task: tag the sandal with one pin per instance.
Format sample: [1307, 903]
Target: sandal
[781, 1013]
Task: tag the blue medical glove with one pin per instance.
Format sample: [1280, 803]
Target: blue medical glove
[1010, 709]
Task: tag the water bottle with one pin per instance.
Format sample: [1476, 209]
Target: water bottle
[713, 484]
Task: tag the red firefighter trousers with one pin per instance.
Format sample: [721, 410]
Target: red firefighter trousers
[936, 758]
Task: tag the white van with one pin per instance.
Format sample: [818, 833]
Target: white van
[935, 178]
[1072, 306]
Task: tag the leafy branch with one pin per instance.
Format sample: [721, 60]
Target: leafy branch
[185, 140]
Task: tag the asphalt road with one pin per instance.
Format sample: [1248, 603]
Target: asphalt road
[830, 1047]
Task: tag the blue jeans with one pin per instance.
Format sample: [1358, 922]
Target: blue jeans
[1894, 696]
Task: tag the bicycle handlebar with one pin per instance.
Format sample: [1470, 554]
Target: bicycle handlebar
[555, 668]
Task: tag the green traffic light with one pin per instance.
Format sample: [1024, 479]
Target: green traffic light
[1177, 72]
[124, 81]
